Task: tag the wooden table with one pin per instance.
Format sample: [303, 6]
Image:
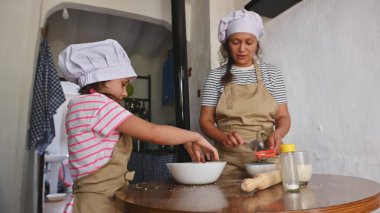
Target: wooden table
[325, 193]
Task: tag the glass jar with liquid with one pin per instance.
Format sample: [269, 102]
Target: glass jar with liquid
[289, 171]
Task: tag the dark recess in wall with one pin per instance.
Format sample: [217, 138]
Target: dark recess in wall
[270, 8]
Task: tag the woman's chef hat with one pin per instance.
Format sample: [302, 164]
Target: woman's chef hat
[88, 63]
[240, 21]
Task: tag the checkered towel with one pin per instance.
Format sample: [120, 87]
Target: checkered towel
[47, 97]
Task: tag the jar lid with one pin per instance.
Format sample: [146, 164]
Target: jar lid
[287, 147]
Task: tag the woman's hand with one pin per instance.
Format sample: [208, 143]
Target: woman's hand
[198, 149]
[275, 140]
[282, 126]
[231, 139]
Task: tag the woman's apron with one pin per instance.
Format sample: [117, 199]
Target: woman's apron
[248, 110]
[95, 192]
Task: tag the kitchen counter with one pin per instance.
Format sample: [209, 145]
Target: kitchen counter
[324, 193]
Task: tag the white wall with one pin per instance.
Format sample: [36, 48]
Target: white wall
[198, 53]
[218, 9]
[329, 53]
[145, 10]
[19, 43]
[203, 46]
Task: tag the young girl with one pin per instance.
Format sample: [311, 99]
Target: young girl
[99, 129]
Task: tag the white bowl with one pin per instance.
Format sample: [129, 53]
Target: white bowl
[56, 196]
[196, 173]
[255, 168]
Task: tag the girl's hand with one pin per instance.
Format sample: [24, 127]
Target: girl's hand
[199, 148]
[231, 139]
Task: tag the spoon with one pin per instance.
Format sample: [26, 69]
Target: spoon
[261, 149]
[257, 145]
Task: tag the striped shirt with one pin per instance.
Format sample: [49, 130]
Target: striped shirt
[272, 79]
[90, 125]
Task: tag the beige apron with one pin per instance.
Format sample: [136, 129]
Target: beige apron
[249, 110]
[95, 192]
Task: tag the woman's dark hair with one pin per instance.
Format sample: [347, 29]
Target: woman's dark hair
[97, 87]
[227, 61]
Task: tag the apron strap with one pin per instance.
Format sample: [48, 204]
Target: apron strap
[258, 73]
[228, 92]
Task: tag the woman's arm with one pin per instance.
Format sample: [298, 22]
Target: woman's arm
[167, 135]
[207, 124]
[282, 126]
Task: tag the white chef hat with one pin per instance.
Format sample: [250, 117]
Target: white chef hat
[88, 63]
[240, 21]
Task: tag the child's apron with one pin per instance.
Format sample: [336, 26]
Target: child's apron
[95, 192]
[249, 110]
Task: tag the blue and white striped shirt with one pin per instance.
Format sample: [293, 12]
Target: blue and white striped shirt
[272, 79]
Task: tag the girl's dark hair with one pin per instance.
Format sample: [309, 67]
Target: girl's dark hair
[227, 61]
[97, 87]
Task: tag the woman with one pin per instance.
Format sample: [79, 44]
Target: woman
[245, 98]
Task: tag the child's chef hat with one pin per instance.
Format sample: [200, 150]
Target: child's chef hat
[240, 21]
[93, 62]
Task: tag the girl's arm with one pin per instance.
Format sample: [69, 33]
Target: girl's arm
[207, 124]
[168, 135]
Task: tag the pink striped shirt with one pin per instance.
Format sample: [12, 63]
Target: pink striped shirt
[90, 124]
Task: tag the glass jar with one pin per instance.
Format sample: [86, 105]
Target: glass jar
[289, 168]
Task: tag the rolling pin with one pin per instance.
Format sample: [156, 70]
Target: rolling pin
[261, 181]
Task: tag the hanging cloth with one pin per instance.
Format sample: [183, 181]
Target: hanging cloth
[168, 81]
[47, 97]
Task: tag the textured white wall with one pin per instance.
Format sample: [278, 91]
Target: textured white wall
[329, 53]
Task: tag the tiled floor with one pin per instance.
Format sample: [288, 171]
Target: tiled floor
[55, 206]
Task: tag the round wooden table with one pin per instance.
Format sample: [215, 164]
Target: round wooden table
[324, 193]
